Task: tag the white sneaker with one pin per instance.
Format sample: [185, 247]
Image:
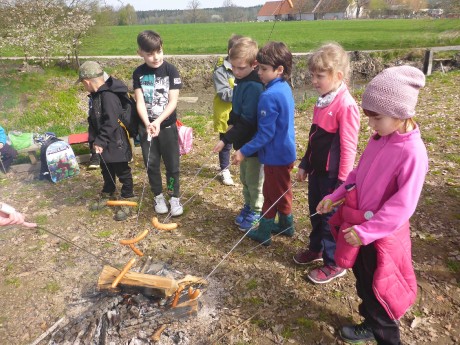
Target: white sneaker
[160, 204]
[176, 207]
[226, 177]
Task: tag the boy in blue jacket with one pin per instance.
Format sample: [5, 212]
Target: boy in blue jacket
[274, 142]
[242, 127]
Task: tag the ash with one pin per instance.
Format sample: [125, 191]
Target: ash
[132, 319]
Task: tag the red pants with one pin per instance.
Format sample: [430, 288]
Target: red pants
[277, 180]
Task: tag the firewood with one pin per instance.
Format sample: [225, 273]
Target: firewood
[156, 285]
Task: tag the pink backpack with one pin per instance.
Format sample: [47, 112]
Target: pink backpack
[185, 137]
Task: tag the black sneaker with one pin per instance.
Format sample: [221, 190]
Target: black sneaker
[125, 211]
[357, 334]
[94, 162]
[101, 202]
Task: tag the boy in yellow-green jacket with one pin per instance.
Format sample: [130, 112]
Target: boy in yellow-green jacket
[224, 80]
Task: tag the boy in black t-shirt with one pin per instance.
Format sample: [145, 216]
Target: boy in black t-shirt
[156, 87]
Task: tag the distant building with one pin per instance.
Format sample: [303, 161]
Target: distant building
[305, 10]
[274, 10]
[332, 9]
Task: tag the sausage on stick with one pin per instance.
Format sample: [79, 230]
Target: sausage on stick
[123, 272]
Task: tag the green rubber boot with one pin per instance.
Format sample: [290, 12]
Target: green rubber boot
[125, 211]
[285, 225]
[101, 202]
[263, 233]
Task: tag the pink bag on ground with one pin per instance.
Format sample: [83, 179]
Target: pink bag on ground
[185, 137]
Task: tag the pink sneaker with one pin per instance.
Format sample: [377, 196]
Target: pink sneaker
[325, 274]
[306, 257]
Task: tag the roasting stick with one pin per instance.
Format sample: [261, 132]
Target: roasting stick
[245, 234]
[168, 216]
[335, 204]
[51, 329]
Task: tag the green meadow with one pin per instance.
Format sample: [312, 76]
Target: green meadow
[300, 36]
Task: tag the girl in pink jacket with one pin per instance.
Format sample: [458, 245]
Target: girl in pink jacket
[330, 153]
[380, 195]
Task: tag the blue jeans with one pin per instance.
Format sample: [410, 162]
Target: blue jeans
[321, 238]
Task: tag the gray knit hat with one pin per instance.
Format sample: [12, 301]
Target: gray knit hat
[394, 92]
[89, 70]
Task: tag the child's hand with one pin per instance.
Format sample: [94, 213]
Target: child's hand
[154, 129]
[98, 149]
[324, 206]
[352, 237]
[237, 158]
[219, 146]
[14, 218]
[301, 175]
[1, 145]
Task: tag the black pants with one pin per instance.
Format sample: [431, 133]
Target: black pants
[224, 154]
[7, 155]
[386, 330]
[165, 146]
[321, 239]
[122, 170]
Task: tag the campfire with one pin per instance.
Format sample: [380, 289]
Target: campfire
[134, 307]
[144, 307]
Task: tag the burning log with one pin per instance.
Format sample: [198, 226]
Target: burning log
[159, 286]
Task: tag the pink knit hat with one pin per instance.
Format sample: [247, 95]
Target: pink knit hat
[394, 92]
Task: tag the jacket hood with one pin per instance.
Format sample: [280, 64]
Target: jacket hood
[253, 76]
[114, 85]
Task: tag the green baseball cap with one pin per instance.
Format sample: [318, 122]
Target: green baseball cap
[89, 70]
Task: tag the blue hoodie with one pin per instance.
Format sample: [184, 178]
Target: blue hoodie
[275, 137]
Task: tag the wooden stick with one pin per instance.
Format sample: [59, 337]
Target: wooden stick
[236, 327]
[146, 264]
[156, 285]
[52, 328]
[291, 5]
[337, 203]
[123, 272]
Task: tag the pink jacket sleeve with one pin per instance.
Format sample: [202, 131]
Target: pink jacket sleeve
[401, 205]
[349, 131]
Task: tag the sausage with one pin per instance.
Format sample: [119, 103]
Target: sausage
[157, 335]
[136, 250]
[135, 239]
[176, 297]
[160, 226]
[123, 272]
[193, 294]
[121, 203]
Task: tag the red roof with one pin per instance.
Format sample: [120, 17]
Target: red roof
[272, 8]
[276, 8]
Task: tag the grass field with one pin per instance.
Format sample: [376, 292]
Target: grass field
[300, 36]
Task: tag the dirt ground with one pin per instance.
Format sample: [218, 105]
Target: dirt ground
[257, 295]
